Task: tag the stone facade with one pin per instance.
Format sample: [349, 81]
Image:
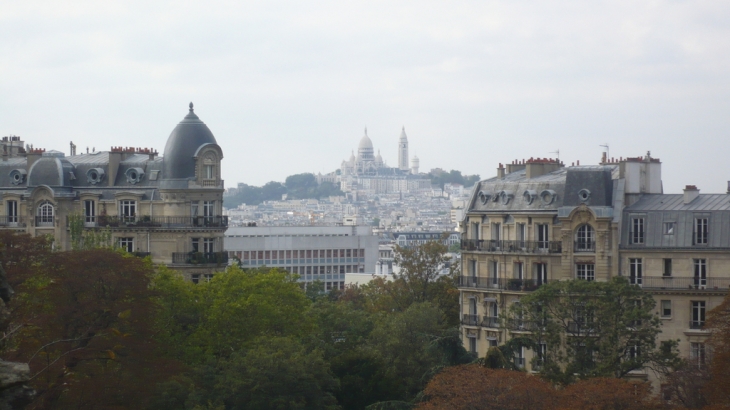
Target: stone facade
[169, 207]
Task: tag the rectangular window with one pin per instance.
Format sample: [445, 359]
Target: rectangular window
[667, 267]
[473, 267]
[473, 344]
[362, 253]
[208, 245]
[494, 272]
[700, 267]
[195, 244]
[496, 230]
[12, 212]
[635, 271]
[666, 308]
[540, 273]
[194, 209]
[542, 236]
[634, 352]
[637, 230]
[128, 210]
[518, 271]
[209, 172]
[208, 211]
[697, 354]
[288, 254]
[701, 231]
[541, 355]
[668, 228]
[127, 244]
[89, 212]
[585, 271]
[698, 314]
[521, 232]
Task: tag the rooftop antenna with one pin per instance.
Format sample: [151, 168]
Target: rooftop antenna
[556, 152]
[605, 146]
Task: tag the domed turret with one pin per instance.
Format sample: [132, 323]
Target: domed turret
[51, 169]
[184, 141]
[365, 149]
[379, 160]
[414, 165]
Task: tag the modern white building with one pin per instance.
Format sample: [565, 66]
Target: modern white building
[315, 253]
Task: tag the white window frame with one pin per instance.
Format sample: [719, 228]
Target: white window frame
[637, 230]
[128, 210]
[636, 271]
[543, 240]
[700, 272]
[12, 212]
[699, 308]
[208, 245]
[585, 271]
[89, 212]
[585, 238]
[665, 308]
[126, 243]
[701, 231]
[45, 213]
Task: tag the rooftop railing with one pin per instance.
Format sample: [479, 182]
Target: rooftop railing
[511, 246]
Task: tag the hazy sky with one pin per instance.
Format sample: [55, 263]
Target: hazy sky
[287, 87]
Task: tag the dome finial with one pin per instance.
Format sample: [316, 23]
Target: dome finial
[191, 106]
[366, 130]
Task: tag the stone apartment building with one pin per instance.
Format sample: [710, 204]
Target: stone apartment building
[169, 207]
[539, 221]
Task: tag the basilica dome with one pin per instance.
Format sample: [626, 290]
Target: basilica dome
[365, 149]
[183, 143]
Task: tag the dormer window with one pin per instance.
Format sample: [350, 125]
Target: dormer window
[209, 172]
[44, 216]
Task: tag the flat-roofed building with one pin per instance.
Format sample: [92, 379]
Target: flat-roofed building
[315, 253]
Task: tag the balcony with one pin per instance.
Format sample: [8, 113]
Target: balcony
[200, 258]
[44, 220]
[685, 283]
[490, 321]
[520, 285]
[584, 246]
[12, 221]
[696, 324]
[581, 328]
[521, 325]
[511, 246]
[161, 221]
[470, 320]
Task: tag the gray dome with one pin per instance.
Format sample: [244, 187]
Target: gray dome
[51, 169]
[184, 141]
[365, 143]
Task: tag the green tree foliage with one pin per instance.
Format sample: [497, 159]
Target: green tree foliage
[82, 238]
[440, 178]
[299, 186]
[592, 329]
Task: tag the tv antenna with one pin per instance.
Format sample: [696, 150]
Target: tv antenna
[605, 146]
[557, 152]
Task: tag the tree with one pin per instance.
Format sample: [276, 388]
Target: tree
[217, 318]
[412, 345]
[473, 387]
[592, 329]
[275, 373]
[602, 393]
[85, 323]
[718, 323]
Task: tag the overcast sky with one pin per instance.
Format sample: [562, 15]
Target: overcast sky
[287, 87]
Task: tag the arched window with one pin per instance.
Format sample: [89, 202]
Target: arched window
[45, 214]
[585, 239]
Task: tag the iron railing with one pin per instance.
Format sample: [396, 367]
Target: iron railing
[511, 246]
[696, 324]
[582, 328]
[12, 221]
[44, 220]
[114, 221]
[693, 283]
[584, 246]
[470, 320]
[478, 282]
[199, 258]
[490, 321]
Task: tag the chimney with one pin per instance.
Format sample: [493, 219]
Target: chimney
[728, 187]
[690, 193]
[500, 171]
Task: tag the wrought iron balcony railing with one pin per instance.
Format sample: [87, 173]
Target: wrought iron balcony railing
[523, 285]
[511, 246]
[199, 258]
[685, 283]
[115, 221]
[12, 221]
[584, 246]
